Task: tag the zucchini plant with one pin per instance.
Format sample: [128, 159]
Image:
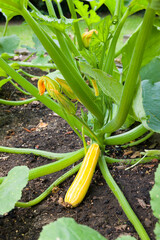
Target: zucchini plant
[87, 75]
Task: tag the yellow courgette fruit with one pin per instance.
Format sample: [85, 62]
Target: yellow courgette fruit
[81, 183]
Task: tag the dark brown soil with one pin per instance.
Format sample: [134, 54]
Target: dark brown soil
[100, 209]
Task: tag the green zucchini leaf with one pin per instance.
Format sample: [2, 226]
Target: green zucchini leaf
[126, 238]
[11, 188]
[155, 194]
[68, 229]
[155, 200]
[110, 86]
[9, 44]
[150, 93]
[157, 230]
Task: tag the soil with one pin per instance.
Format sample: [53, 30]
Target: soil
[100, 209]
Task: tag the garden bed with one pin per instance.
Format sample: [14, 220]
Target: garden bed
[35, 126]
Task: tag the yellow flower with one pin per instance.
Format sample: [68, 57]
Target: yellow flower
[86, 37]
[41, 86]
[49, 84]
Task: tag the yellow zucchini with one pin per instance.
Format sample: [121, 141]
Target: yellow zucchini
[81, 183]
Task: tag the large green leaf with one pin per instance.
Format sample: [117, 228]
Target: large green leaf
[68, 229]
[11, 188]
[155, 200]
[150, 93]
[146, 103]
[9, 44]
[152, 48]
[110, 86]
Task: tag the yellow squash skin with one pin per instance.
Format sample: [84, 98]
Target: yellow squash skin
[81, 183]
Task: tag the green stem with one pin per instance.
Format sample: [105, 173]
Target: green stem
[41, 153]
[60, 9]
[28, 74]
[138, 141]
[127, 136]
[49, 189]
[18, 88]
[129, 161]
[29, 56]
[55, 166]
[32, 6]
[76, 24]
[37, 65]
[72, 46]
[50, 8]
[68, 70]
[5, 28]
[92, 134]
[17, 103]
[122, 200]
[109, 60]
[132, 74]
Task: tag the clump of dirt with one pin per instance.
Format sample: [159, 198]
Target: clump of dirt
[100, 209]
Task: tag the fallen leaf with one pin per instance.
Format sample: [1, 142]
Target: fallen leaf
[121, 227]
[127, 152]
[41, 124]
[136, 154]
[69, 132]
[142, 203]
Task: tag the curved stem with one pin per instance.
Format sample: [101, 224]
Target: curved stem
[18, 88]
[129, 161]
[122, 200]
[49, 189]
[37, 65]
[17, 103]
[41, 153]
[127, 136]
[28, 74]
[138, 141]
[55, 166]
[5, 28]
[132, 74]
